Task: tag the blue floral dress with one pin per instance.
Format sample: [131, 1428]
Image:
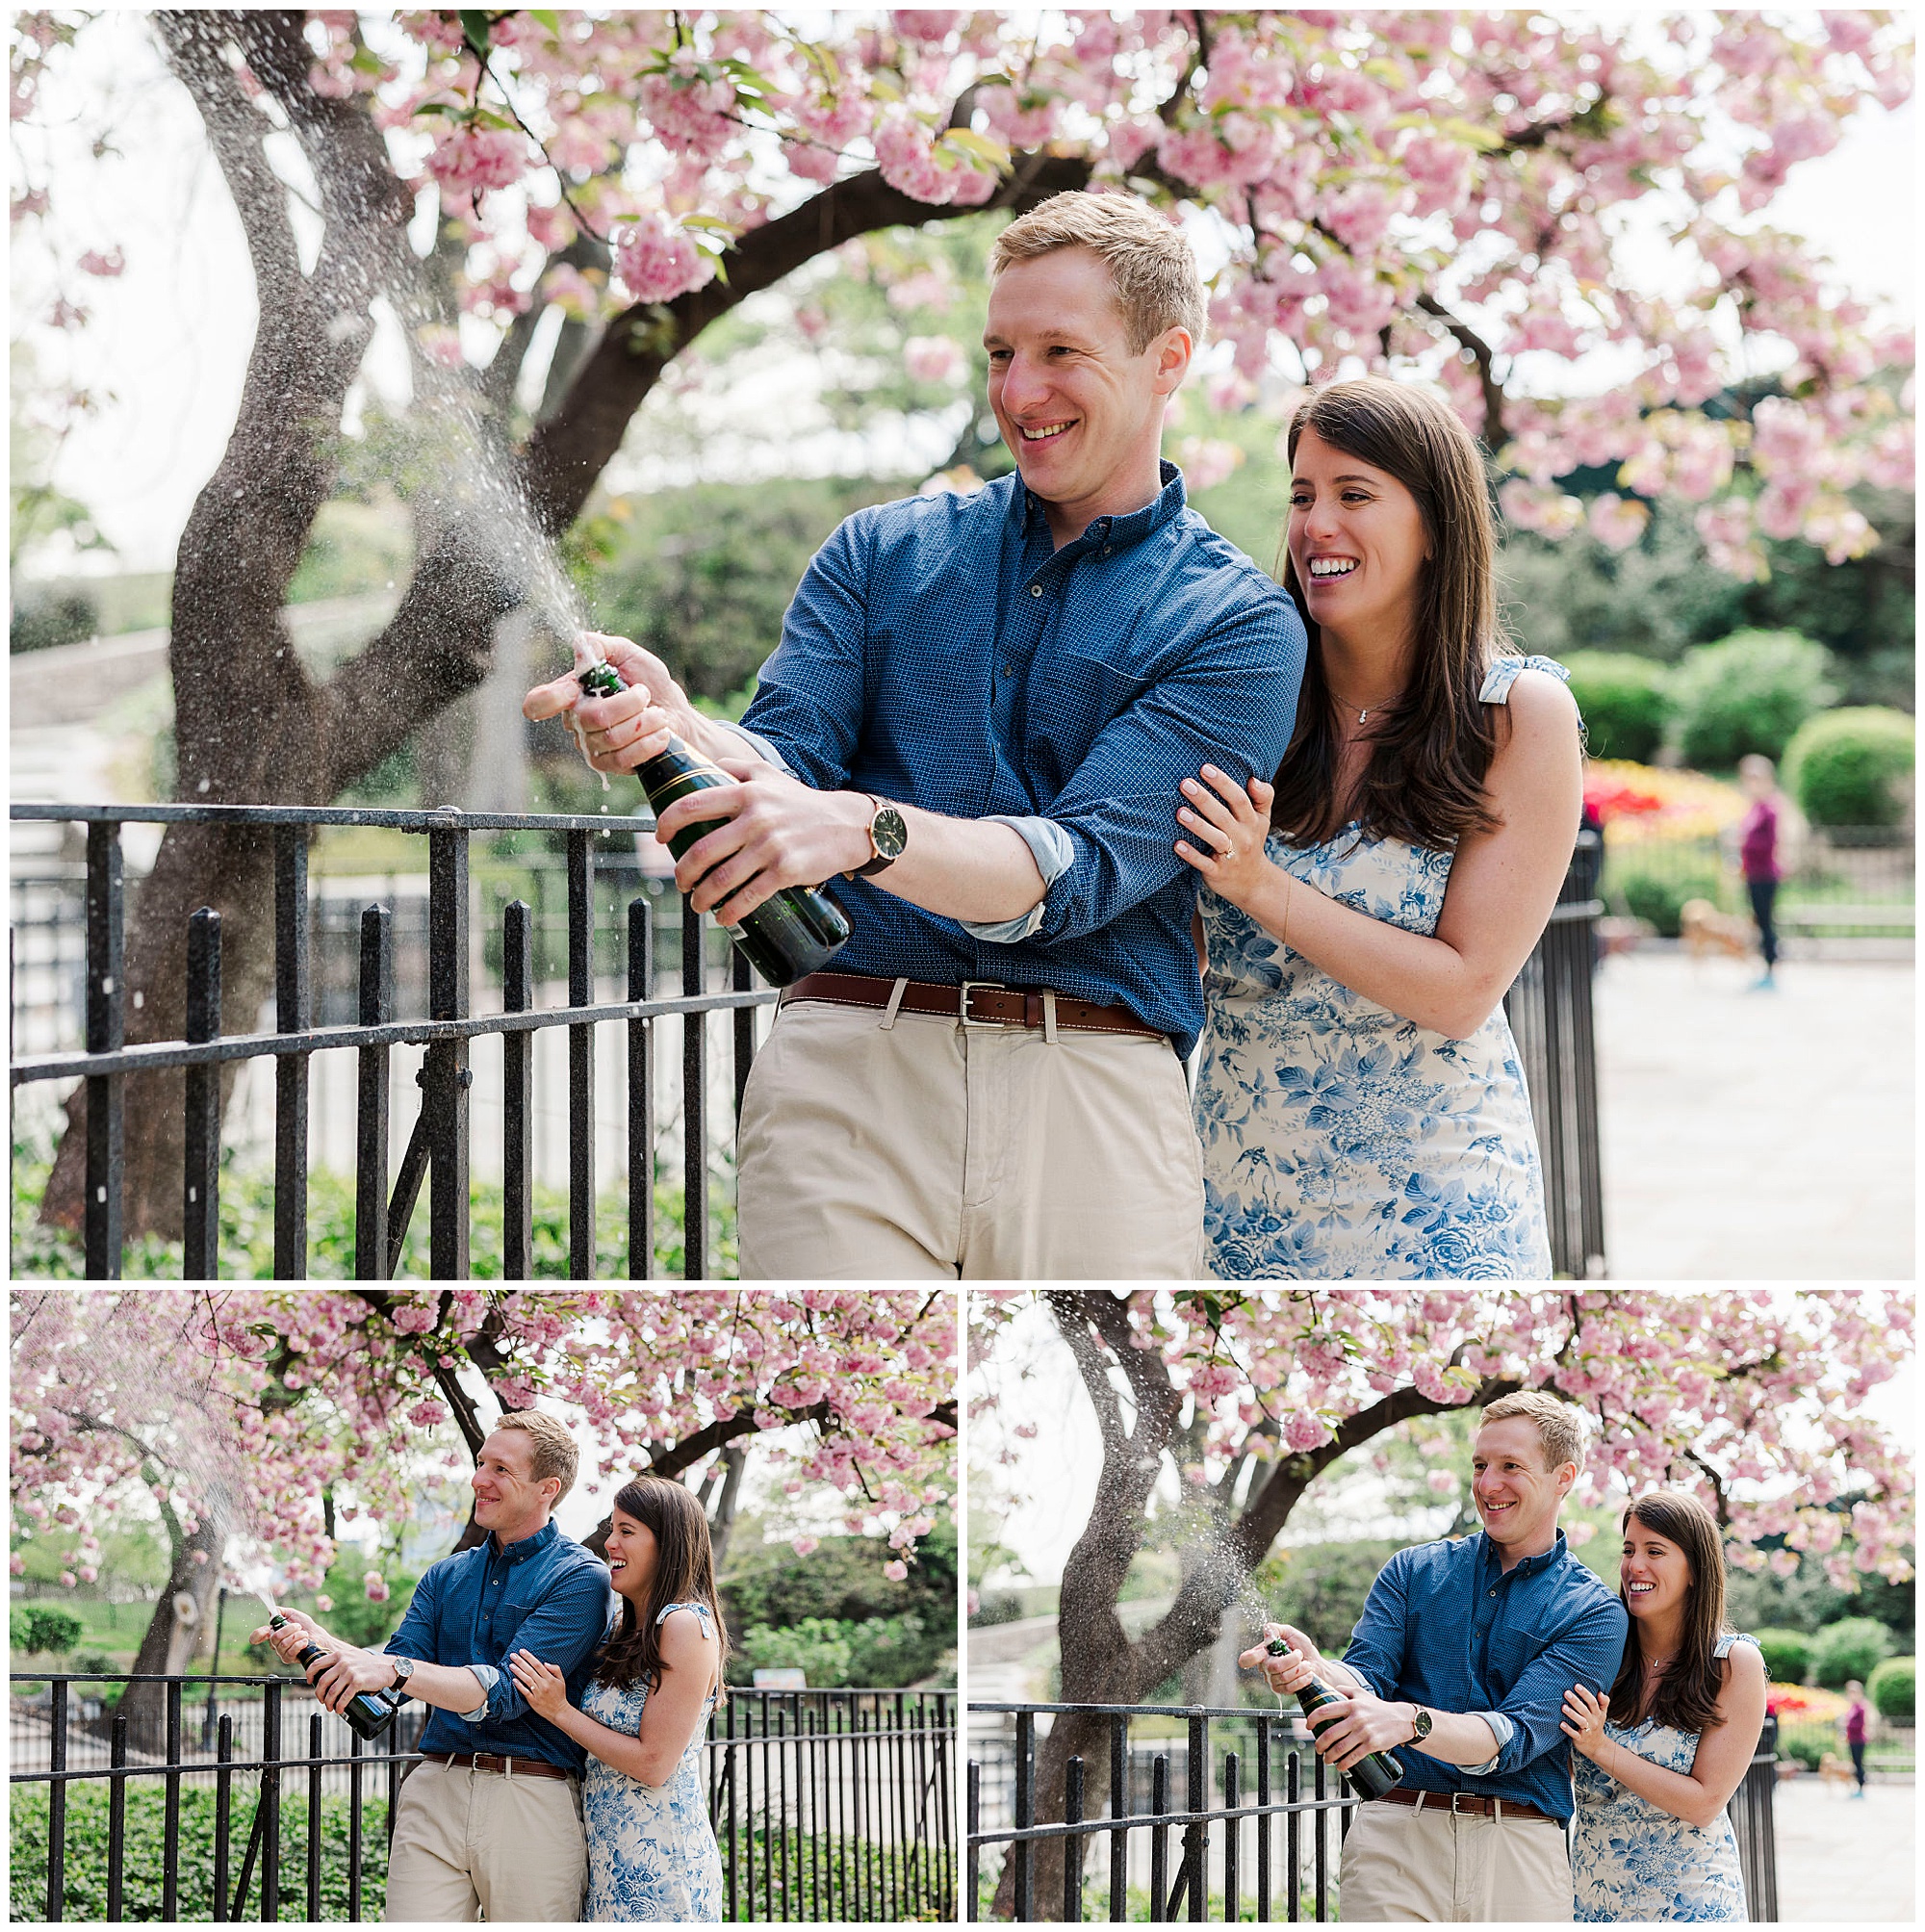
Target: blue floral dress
[1340, 1141]
[1629, 1860]
[652, 1853]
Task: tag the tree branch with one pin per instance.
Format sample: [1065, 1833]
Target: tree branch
[1480, 351]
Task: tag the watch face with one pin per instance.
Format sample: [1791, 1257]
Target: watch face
[891, 832]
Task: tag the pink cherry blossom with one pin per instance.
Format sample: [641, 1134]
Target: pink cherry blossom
[896, 1572]
[1617, 522]
[656, 261]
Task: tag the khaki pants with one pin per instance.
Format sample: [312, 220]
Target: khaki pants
[486, 1844]
[1411, 1866]
[915, 1149]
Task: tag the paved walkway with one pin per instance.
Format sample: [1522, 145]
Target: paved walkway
[1751, 1136]
[1843, 1859]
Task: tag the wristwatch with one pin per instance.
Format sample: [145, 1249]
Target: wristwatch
[889, 838]
[404, 1668]
[1420, 1725]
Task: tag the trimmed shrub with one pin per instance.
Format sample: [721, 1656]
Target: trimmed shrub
[37, 1630]
[1852, 768]
[1852, 1647]
[1787, 1655]
[1626, 702]
[1893, 1687]
[1660, 896]
[1748, 693]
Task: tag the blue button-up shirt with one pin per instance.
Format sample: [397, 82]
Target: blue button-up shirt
[1447, 1626]
[545, 1594]
[943, 652]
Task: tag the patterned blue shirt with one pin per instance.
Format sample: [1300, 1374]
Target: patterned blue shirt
[943, 652]
[545, 1594]
[1448, 1627]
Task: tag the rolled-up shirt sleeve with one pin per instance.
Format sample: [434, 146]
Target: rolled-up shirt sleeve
[1232, 702]
[1588, 1652]
[1050, 847]
[562, 1630]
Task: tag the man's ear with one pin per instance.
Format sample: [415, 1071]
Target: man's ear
[1173, 359]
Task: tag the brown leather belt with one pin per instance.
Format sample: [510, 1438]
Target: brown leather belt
[976, 1002]
[514, 1767]
[1465, 1801]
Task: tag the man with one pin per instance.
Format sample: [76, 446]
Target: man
[490, 1823]
[978, 716]
[1460, 1662]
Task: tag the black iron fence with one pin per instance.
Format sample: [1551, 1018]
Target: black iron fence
[239, 1797]
[1184, 1838]
[1548, 1007]
[437, 1153]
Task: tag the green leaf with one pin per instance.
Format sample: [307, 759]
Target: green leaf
[1483, 138]
[991, 153]
[548, 17]
[712, 222]
[477, 30]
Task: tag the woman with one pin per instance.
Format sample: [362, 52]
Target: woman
[1360, 1102]
[1657, 1765]
[652, 1853]
[1758, 856]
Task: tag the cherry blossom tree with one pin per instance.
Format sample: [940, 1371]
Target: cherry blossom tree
[1752, 1399]
[278, 1416]
[1436, 194]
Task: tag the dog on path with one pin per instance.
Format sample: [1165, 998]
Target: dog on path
[1704, 930]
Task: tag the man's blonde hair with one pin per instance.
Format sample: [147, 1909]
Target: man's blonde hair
[552, 1449]
[1151, 262]
[1560, 1427]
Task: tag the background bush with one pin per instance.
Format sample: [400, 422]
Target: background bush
[85, 1870]
[1625, 703]
[39, 1630]
[1851, 1648]
[1660, 896]
[1852, 768]
[1893, 1687]
[1787, 1655]
[1748, 693]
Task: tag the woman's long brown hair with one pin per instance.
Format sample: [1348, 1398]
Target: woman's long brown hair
[1687, 1693]
[685, 1574]
[1431, 748]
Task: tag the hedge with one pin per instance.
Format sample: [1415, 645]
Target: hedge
[84, 1871]
[1624, 701]
[1851, 1647]
[1787, 1655]
[1854, 766]
[1748, 693]
[1893, 1687]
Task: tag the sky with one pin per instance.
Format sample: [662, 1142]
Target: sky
[1058, 1481]
[170, 338]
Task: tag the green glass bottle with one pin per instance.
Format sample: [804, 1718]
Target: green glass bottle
[368, 1712]
[791, 934]
[1375, 1775]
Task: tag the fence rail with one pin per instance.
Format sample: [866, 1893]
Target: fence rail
[437, 1154]
[827, 1805]
[1549, 1008]
[1262, 1777]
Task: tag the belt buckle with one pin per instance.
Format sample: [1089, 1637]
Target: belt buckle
[970, 986]
[1456, 1812]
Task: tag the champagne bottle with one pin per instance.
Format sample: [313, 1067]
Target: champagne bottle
[367, 1711]
[1375, 1775]
[790, 934]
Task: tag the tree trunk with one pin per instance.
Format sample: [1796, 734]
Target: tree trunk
[173, 1641]
[251, 727]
